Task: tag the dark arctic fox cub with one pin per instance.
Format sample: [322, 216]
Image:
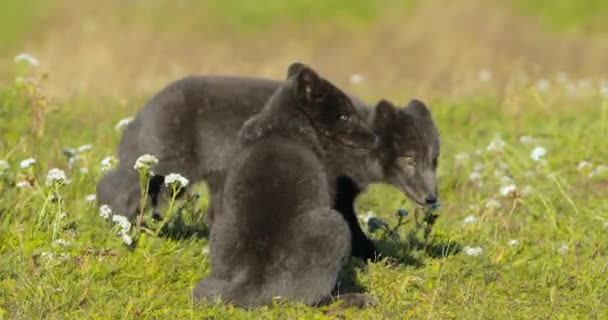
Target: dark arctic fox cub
[275, 233]
[192, 126]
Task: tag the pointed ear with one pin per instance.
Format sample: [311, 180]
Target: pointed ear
[419, 108]
[294, 68]
[308, 85]
[384, 114]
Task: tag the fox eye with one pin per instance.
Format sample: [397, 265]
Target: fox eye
[344, 117]
[409, 160]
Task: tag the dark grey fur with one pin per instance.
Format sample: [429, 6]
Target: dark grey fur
[275, 233]
[192, 126]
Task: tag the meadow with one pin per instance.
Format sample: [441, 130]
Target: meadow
[519, 92]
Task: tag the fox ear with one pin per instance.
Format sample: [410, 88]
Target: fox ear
[419, 108]
[385, 113]
[308, 85]
[294, 68]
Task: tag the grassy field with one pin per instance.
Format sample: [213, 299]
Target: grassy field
[522, 233]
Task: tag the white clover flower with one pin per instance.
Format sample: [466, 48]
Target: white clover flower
[470, 219]
[584, 166]
[55, 176]
[538, 153]
[543, 85]
[599, 170]
[176, 179]
[492, 204]
[91, 197]
[107, 163]
[508, 190]
[356, 78]
[84, 148]
[84, 170]
[205, 250]
[123, 123]
[27, 163]
[513, 242]
[563, 249]
[63, 215]
[123, 222]
[23, 185]
[496, 145]
[27, 58]
[62, 242]
[472, 251]
[145, 162]
[462, 157]
[485, 75]
[126, 239]
[105, 211]
[526, 139]
[474, 176]
[3, 166]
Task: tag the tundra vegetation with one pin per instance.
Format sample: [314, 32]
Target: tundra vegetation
[518, 90]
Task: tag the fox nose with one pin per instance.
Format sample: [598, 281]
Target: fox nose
[430, 199]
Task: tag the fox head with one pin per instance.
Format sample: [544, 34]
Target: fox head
[408, 149]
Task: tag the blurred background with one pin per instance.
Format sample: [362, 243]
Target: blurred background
[383, 48]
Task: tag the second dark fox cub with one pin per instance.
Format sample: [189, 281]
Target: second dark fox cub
[275, 233]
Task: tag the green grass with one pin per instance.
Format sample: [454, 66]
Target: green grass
[96, 276]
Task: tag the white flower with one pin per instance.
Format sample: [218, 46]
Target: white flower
[356, 78]
[63, 215]
[23, 184]
[497, 144]
[474, 176]
[27, 163]
[3, 166]
[538, 153]
[485, 75]
[462, 157]
[513, 242]
[508, 190]
[27, 58]
[107, 163]
[472, 251]
[91, 198]
[62, 242]
[469, 219]
[123, 123]
[584, 166]
[563, 249]
[176, 178]
[205, 250]
[85, 148]
[526, 139]
[126, 239]
[543, 85]
[84, 170]
[123, 222]
[145, 162]
[55, 176]
[105, 211]
[598, 171]
[493, 204]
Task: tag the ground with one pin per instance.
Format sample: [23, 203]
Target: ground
[521, 233]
